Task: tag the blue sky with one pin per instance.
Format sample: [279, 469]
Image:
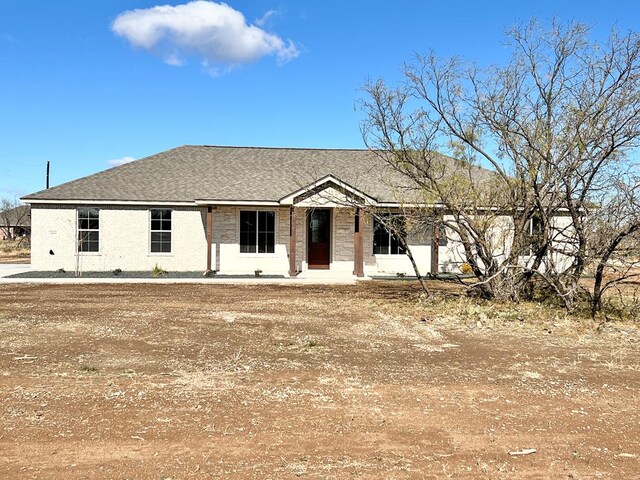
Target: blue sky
[79, 92]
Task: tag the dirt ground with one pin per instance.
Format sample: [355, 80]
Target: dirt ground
[366, 381]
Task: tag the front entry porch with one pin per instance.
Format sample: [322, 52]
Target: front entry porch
[326, 226]
[292, 240]
[327, 233]
[272, 240]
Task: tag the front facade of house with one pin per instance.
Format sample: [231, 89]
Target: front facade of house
[229, 210]
[244, 238]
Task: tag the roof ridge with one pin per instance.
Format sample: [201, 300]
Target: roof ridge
[239, 147]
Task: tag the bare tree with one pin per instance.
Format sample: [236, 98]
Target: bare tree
[614, 239]
[553, 126]
[12, 214]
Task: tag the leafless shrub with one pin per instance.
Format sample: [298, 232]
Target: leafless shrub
[557, 128]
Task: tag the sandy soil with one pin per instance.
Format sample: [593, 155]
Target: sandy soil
[366, 381]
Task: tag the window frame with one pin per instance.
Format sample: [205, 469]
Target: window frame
[390, 236]
[152, 231]
[79, 230]
[534, 233]
[256, 211]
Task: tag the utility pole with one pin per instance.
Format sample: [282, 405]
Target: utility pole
[47, 174]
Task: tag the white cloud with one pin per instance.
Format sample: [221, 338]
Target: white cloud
[120, 161]
[173, 59]
[262, 21]
[216, 32]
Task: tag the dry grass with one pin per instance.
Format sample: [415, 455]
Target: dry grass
[16, 251]
[371, 381]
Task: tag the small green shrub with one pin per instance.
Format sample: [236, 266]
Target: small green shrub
[158, 271]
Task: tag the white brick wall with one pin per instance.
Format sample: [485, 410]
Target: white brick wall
[124, 240]
[125, 237]
[53, 230]
[452, 255]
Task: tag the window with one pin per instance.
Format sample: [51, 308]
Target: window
[88, 229]
[534, 233]
[257, 231]
[160, 230]
[385, 242]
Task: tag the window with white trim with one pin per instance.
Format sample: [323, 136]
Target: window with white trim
[161, 230]
[88, 229]
[257, 231]
[385, 241]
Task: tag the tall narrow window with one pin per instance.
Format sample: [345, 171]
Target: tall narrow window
[257, 231]
[534, 231]
[160, 230]
[88, 229]
[386, 241]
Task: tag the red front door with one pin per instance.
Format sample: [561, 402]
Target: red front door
[319, 238]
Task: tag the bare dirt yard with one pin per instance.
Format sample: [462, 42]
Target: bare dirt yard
[367, 381]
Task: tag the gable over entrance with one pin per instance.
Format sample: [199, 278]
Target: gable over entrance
[328, 191]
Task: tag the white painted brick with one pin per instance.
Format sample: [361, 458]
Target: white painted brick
[124, 240]
[125, 231]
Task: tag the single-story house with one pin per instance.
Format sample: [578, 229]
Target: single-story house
[233, 210]
[15, 222]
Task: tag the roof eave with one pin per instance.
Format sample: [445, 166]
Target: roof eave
[76, 201]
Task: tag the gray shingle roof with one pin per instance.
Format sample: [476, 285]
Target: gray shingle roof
[190, 173]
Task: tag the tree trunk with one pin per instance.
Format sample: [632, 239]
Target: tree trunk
[416, 269]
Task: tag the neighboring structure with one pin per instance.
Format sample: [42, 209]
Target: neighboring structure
[15, 223]
[233, 210]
